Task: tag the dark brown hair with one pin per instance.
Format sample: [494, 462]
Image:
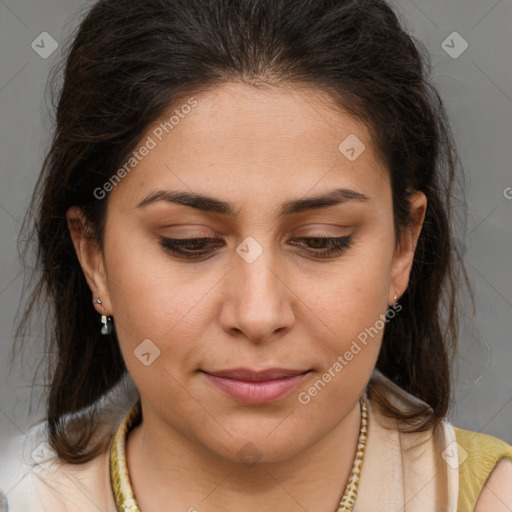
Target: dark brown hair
[129, 61]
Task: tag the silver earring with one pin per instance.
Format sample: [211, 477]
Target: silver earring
[106, 320]
[106, 328]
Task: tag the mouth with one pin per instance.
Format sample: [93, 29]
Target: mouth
[256, 387]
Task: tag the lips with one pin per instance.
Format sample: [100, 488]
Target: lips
[257, 376]
[256, 387]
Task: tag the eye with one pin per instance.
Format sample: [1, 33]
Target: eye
[335, 246]
[195, 248]
[191, 248]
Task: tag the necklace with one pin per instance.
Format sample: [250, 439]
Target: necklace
[349, 496]
[120, 479]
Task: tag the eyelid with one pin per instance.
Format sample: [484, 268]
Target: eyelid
[320, 233]
[339, 246]
[190, 232]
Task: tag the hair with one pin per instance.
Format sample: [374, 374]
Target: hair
[128, 62]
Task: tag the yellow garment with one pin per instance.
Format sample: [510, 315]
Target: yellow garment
[478, 456]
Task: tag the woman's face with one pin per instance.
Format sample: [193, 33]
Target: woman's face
[260, 295]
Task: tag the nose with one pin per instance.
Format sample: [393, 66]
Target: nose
[258, 299]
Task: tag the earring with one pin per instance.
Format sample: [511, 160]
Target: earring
[106, 320]
[106, 328]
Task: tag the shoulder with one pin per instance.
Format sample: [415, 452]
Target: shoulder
[34, 479]
[479, 466]
[480, 449]
[496, 495]
[485, 471]
[52, 485]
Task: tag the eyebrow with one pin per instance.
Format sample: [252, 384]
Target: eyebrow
[211, 204]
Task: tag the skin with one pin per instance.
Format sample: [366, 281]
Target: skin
[255, 148]
[496, 496]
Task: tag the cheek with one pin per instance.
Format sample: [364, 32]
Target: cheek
[354, 296]
[152, 299]
[351, 306]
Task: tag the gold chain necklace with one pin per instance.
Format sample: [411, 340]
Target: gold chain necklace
[120, 479]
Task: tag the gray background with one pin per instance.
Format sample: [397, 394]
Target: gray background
[477, 89]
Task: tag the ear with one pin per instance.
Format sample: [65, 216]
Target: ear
[90, 257]
[404, 253]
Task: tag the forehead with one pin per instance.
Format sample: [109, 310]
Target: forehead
[267, 140]
[263, 120]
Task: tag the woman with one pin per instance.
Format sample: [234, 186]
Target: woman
[243, 223]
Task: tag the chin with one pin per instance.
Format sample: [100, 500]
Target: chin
[259, 445]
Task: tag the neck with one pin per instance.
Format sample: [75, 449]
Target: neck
[170, 472]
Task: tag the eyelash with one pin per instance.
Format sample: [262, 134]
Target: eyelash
[176, 246]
